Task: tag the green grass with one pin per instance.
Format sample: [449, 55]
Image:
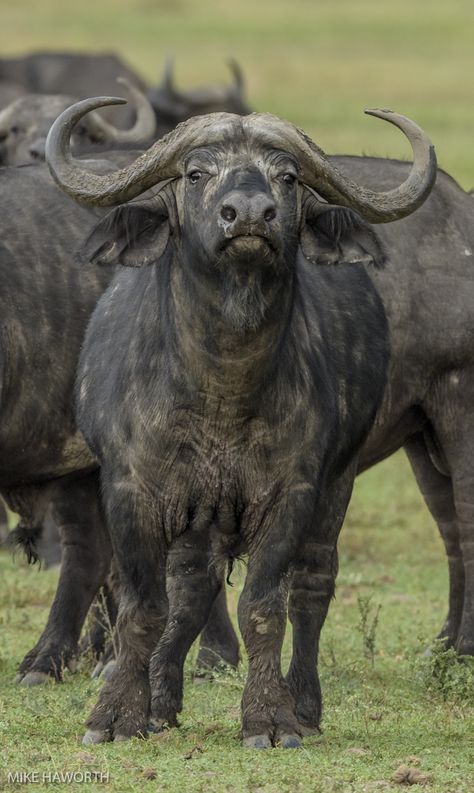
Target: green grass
[377, 716]
[318, 64]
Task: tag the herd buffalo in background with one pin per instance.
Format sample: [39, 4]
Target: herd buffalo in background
[207, 331]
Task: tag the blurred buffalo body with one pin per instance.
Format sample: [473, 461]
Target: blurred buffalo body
[83, 75]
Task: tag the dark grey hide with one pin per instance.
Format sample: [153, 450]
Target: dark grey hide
[46, 469]
[226, 384]
[428, 294]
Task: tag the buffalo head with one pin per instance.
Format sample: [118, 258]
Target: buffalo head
[236, 198]
[173, 105]
[25, 123]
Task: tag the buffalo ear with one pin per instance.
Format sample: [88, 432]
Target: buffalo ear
[337, 235]
[132, 235]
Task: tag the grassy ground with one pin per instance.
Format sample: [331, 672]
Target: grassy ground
[382, 710]
[318, 64]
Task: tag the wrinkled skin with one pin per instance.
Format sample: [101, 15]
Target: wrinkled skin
[227, 426]
[46, 470]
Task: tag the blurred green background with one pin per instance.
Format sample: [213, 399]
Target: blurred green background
[315, 62]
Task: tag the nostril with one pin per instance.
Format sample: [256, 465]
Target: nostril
[228, 213]
[270, 214]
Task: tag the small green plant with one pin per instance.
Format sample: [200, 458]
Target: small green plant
[448, 674]
[367, 626]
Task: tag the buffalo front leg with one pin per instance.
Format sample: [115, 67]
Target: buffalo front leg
[268, 707]
[268, 712]
[193, 581]
[311, 589]
[437, 490]
[123, 708]
[86, 553]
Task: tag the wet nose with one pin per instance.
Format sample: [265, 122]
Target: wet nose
[240, 210]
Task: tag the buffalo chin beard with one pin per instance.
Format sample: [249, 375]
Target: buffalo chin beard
[244, 304]
[248, 267]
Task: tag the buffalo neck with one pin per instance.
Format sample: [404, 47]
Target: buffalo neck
[215, 358]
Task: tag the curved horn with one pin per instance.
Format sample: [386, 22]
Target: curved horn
[142, 131]
[161, 161]
[376, 207]
[156, 164]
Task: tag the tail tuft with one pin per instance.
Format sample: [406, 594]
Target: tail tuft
[26, 538]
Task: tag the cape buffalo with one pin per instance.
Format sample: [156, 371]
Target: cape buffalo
[228, 379]
[25, 123]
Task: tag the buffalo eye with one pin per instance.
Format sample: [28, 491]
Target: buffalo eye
[194, 176]
[14, 130]
[289, 179]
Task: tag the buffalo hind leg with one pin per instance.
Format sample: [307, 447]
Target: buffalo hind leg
[218, 643]
[193, 581]
[449, 407]
[437, 490]
[86, 554]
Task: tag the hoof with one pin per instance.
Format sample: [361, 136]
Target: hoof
[157, 726]
[288, 741]
[257, 742]
[35, 679]
[121, 738]
[96, 736]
